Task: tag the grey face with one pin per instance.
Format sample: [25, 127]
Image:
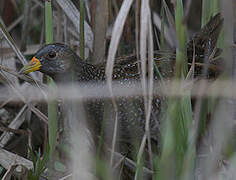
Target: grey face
[54, 58]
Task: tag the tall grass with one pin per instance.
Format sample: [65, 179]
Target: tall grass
[52, 105]
[178, 116]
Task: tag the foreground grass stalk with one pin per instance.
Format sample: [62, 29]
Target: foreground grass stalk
[52, 105]
[182, 114]
[179, 113]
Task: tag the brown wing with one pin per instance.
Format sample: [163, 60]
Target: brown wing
[206, 39]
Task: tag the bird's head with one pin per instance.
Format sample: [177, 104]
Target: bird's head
[51, 59]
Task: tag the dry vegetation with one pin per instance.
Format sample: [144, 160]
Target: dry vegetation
[196, 120]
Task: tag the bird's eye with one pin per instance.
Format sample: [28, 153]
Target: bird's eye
[52, 54]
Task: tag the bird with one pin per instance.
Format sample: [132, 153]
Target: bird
[58, 61]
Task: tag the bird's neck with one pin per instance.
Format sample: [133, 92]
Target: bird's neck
[89, 73]
[80, 71]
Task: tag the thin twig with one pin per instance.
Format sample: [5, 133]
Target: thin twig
[186, 11]
[23, 77]
[7, 159]
[16, 123]
[35, 110]
[15, 131]
[12, 43]
[19, 19]
[147, 87]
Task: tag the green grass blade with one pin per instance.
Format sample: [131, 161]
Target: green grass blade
[52, 105]
[48, 22]
[181, 50]
[178, 116]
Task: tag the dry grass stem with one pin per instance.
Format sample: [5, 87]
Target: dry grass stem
[116, 34]
[74, 15]
[7, 159]
[15, 124]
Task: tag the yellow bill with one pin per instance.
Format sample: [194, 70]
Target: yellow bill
[33, 65]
